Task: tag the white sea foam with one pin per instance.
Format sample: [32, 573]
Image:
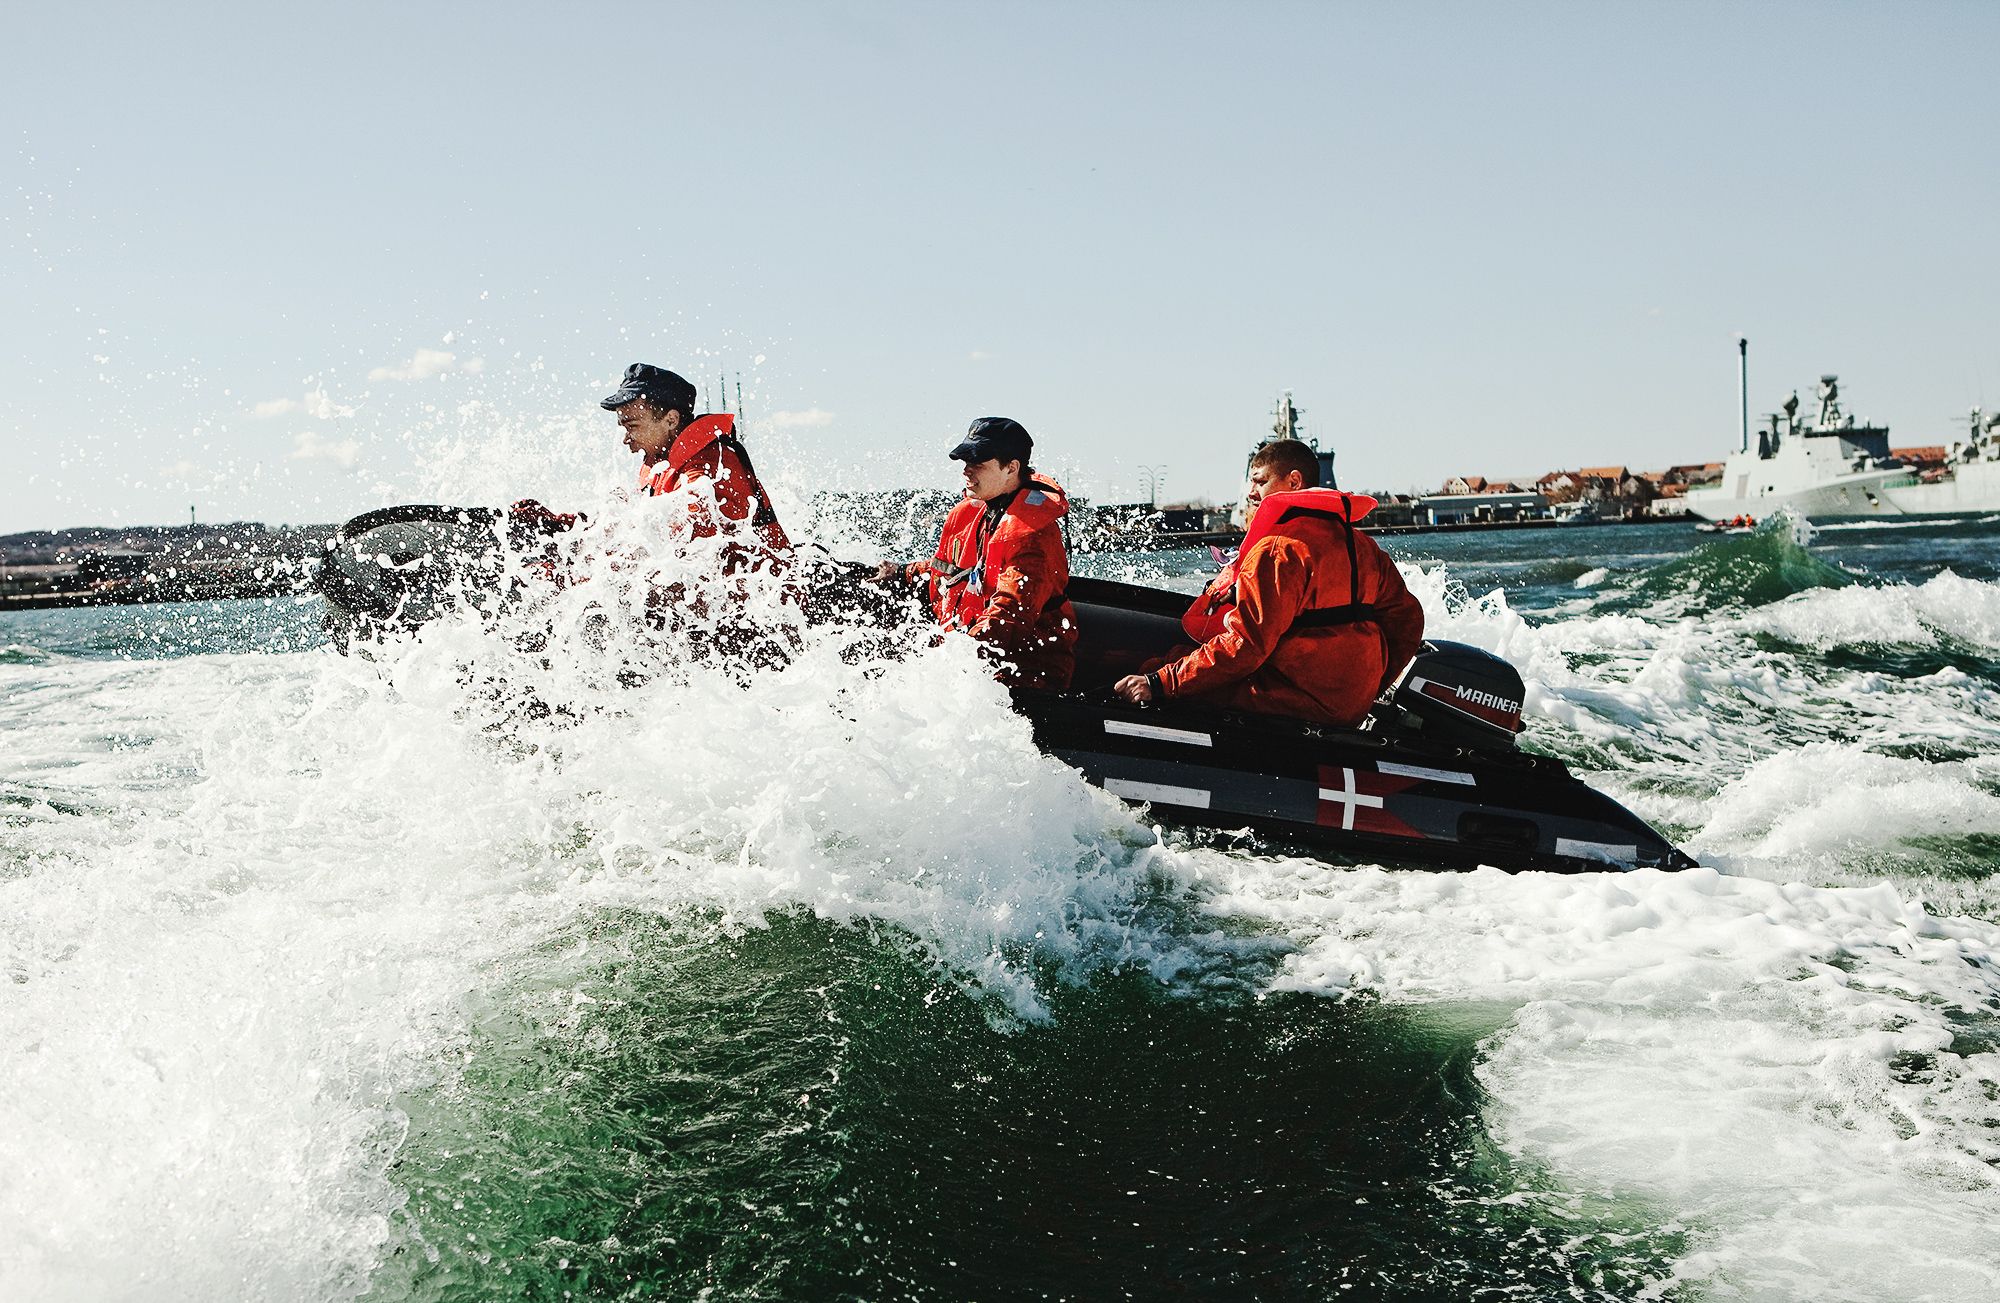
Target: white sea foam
[1947, 605]
[1592, 578]
[1828, 800]
[1778, 1068]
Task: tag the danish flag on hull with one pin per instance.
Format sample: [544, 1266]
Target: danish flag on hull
[1356, 800]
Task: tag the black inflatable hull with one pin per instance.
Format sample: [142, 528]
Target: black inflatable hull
[1378, 793]
[1358, 794]
[1383, 793]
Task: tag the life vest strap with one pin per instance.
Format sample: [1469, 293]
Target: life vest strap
[949, 579]
[1328, 617]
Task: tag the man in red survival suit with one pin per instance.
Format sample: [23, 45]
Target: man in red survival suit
[1001, 572]
[1311, 620]
[655, 409]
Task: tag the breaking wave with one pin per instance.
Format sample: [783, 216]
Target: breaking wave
[1772, 562]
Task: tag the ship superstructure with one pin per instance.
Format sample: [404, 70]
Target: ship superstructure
[1970, 481]
[1836, 468]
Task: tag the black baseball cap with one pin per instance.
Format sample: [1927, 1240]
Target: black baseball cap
[990, 437]
[657, 385]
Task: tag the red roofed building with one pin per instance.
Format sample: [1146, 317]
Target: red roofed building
[1559, 486]
[1459, 484]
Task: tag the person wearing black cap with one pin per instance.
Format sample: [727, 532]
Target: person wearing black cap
[1001, 570]
[656, 411]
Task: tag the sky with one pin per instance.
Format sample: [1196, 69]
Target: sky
[290, 263]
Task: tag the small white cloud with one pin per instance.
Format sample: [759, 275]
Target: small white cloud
[181, 472]
[318, 405]
[978, 355]
[427, 363]
[474, 365]
[810, 419]
[310, 445]
[315, 404]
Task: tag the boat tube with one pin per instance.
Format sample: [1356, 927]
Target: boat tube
[1432, 777]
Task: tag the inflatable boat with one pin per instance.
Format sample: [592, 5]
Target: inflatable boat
[1433, 777]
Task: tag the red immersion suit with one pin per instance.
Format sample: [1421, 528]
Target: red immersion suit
[1312, 620]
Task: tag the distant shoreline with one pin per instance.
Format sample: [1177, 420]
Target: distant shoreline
[98, 566]
[1233, 537]
[146, 595]
[284, 580]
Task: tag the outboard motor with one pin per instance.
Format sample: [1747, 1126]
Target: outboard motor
[1459, 695]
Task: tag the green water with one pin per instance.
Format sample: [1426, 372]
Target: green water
[807, 1111]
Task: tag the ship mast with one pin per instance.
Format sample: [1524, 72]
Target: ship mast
[1287, 424]
[1743, 385]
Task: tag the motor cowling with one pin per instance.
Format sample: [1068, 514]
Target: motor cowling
[1460, 694]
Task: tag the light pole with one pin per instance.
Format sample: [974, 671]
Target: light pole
[1150, 479]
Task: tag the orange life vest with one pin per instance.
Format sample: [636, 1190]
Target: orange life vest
[1204, 619]
[738, 491]
[1007, 581]
[966, 567]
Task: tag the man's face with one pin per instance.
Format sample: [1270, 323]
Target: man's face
[648, 432]
[987, 480]
[1265, 480]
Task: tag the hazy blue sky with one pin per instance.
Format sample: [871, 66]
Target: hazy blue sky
[238, 241]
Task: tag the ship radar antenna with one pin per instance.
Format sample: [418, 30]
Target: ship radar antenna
[1829, 402]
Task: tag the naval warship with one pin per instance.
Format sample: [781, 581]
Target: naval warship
[1835, 468]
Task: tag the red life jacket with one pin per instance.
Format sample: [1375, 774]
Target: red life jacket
[966, 567]
[1204, 619]
[742, 489]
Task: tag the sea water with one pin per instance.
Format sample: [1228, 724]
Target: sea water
[475, 970]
